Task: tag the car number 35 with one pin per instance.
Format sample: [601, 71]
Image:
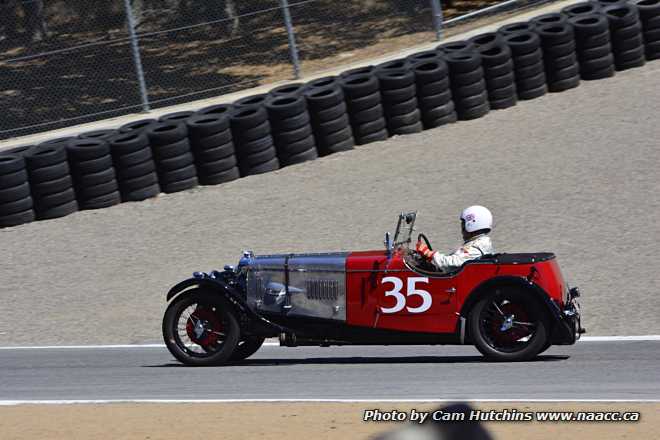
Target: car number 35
[402, 298]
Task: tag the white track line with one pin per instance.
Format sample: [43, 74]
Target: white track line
[184, 401]
[276, 344]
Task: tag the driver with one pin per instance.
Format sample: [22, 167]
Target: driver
[476, 223]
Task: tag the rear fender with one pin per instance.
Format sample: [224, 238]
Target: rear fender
[248, 318]
[483, 289]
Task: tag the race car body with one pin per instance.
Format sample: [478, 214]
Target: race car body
[510, 306]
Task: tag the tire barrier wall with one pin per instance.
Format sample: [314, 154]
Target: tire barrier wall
[297, 122]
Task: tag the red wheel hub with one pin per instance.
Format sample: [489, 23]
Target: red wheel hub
[203, 327]
[515, 333]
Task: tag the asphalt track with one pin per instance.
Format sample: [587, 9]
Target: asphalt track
[618, 370]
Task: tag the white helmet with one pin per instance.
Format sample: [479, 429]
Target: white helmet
[476, 218]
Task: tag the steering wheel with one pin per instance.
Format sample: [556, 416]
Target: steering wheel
[426, 240]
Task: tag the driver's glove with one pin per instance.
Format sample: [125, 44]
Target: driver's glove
[424, 250]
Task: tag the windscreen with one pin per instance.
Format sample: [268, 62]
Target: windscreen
[404, 229]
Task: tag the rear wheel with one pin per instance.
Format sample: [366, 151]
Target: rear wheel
[247, 347]
[508, 325]
[200, 329]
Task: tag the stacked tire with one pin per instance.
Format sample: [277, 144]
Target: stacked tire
[255, 148]
[434, 92]
[468, 86]
[175, 163]
[593, 48]
[104, 134]
[626, 36]
[15, 197]
[497, 64]
[399, 98]
[649, 14]
[138, 126]
[528, 64]
[562, 70]
[51, 184]
[93, 173]
[213, 148]
[329, 116]
[291, 128]
[134, 165]
[365, 107]
[288, 89]
[176, 117]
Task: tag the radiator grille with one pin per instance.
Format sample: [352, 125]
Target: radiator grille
[322, 289]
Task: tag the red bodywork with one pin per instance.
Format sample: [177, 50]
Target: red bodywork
[370, 276]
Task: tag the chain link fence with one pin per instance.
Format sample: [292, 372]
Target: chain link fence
[63, 62]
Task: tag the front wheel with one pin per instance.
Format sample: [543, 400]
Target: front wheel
[508, 325]
[200, 329]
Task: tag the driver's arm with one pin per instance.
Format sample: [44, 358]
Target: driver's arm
[447, 263]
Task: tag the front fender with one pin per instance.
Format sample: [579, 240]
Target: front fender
[229, 293]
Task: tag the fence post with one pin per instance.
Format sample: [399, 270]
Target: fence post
[137, 60]
[293, 48]
[436, 7]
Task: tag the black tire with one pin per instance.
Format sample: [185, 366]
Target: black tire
[137, 126]
[57, 211]
[345, 145]
[281, 107]
[440, 121]
[401, 108]
[398, 121]
[218, 178]
[49, 172]
[11, 163]
[245, 118]
[398, 64]
[166, 133]
[495, 56]
[516, 28]
[15, 192]
[471, 101]
[247, 347]
[297, 147]
[530, 82]
[355, 86]
[498, 82]
[179, 185]
[222, 110]
[460, 62]
[590, 41]
[104, 201]
[456, 46]
[324, 82]
[486, 330]
[559, 50]
[534, 93]
[564, 84]
[220, 314]
[288, 89]
[326, 128]
[501, 104]
[423, 56]
[621, 15]
[561, 62]
[213, 154]
[96, 178]
[98, 134]
[398, 95]
[623, 45]
[51, 186]
[470, 89]
[487, 41]
[16, 219]
[499, 70]
[174, 163]
[627, 32]
[219, 166]
[258, 132]
[439, 112]
[45, 156]
[91, 192]
[368, 115]
[301, 157]
[172, 176]
[16, 206]
[90, 166]
[202, 126]
[128, 143]
[430, 71]
[433, 88]
[529, 71]
[266, 167]
[138, 194]
[381, 135]
[358, 130]
[595, 52]
[357, 71]
[580, 9]
[551, 18]
[522, 43]
[331, 113]
[253, 101]
[597, 63]
[477, 111]
[589, 24]
[321, 98]
[528, 59]
[136, 170]
[434, 101]
[393, 79]
[176, 117]
[87, 149]
[417, 127]
[555, 34]
[138, 183]
[365, 102]
[211, 142]
[13, 178]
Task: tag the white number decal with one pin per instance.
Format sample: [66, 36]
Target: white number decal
[427, 300]
[426, 297]
[396, 292]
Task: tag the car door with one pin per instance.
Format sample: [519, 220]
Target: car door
[385, 293]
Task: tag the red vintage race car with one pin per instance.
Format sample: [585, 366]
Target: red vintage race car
[510, 306]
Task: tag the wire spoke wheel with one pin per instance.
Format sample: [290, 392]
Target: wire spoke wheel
[200, 328]
[508, 325]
